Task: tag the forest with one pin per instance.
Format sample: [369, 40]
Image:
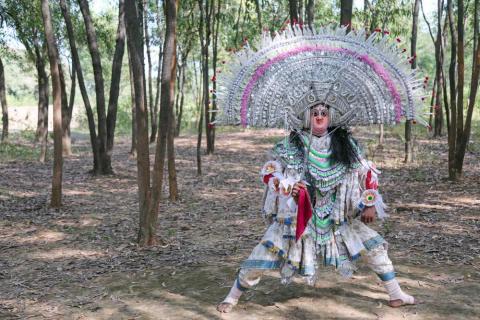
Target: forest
[122, 195]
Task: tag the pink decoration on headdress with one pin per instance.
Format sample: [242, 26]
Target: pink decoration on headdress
[377, 67]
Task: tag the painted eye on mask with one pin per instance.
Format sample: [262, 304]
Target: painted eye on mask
[322, 113]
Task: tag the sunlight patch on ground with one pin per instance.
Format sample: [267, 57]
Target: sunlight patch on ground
[170, 306]
[43, 236]
[330, 307]
[16, 194]
[63, 253]
[78, 193]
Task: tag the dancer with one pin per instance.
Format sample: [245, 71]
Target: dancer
[320, 190]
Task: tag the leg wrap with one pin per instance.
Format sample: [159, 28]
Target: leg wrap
[378, 261]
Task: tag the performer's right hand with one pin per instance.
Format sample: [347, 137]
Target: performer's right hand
[296, 190]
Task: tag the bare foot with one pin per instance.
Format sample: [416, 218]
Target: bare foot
[224, 307]
[400, 303]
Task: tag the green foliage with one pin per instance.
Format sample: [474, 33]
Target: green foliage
[16, 151]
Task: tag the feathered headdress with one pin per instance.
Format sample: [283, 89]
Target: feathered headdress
[364, 80]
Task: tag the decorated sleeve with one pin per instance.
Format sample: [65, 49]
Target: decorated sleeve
[369, 189]
[271, 169]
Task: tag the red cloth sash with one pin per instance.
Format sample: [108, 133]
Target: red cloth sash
[304, 212]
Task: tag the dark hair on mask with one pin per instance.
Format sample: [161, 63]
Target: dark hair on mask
[343, 147]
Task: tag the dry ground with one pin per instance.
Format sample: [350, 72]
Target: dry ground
[81, 262]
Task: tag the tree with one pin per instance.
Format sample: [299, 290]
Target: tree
[146, 233]
[413, 53]
[310, 13]
[293, 7]
[151, 106]
[3, 101]
[206, 12]
[346, 9]
[56, 200]
[115, 83]
[149, 196]
[26, 19]
[81, 83]
[167, 126]
[460, 127]
[105, 132]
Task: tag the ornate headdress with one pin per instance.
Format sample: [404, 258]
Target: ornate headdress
[363, 81]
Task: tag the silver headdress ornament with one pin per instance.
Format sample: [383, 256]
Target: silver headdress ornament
[363, 81]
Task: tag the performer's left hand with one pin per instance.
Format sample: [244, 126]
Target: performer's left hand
[296, 190]
[368, 215]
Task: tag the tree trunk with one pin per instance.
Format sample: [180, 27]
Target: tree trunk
[66, 116]
[204, 43]
[146, 233]
[463, 141]
[81, 84]
[99, 87]
[293, 9]
[3, 101]
[453, 94]
[154, 120]
[182, 95]
[259, 15]
[56, 200]
[159, 69]
[438, 110]
[413, 52]
[216, 31]
[115, 84]
[42, 123]
[166, 132]
[133, 149]
[460, 84]
[346, 9]
[42, 82]
[310, 13]
[199, 143]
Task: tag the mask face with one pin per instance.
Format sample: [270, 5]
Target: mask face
[319, 120]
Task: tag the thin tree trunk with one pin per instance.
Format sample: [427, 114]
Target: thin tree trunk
[199, 142]
[438, 75]
[66, 116]
[293, 10]
[165, 145]
[205, 14]
[115, 83]
[460, 69]
[73, 89]
[237, 24]
[216, 32]
[82, 86]
[133, 149]
[133, 18]
[56, 200]
[99, 87]
[42, 125]
[200, 118]
[154, 120]
[461, 137]
[453, 94]
[413, 52]
[259, 15]
[159, 69]
[182, 95]
[310, 13]
[42, 81]
[463, 143]
[3, 101]
[346, 10]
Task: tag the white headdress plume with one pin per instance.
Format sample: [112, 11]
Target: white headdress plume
[365, 81]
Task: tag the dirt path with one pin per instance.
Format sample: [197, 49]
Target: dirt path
[82, 262]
